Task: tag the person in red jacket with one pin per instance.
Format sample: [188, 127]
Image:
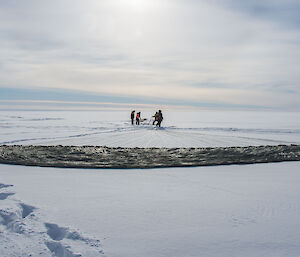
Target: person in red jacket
[138, 116]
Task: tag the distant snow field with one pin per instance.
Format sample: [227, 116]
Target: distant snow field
[180, 129]
[224, 211]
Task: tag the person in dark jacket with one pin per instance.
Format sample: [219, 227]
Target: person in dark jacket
[155, 116]
[132, 116]
[159, 118]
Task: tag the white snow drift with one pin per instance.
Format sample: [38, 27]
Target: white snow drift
[249, 211]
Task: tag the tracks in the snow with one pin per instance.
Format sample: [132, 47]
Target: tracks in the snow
[24, 233]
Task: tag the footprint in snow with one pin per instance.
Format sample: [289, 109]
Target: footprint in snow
[3, 196]
[4, 186]
[59, 250]
[11, 221]
[59, 233]
[26, 209]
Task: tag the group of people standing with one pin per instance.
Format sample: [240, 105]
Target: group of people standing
[158, 117]
[137, 119]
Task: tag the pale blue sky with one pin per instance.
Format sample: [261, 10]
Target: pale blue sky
[218, 53]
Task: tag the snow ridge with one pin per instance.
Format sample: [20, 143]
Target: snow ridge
[118, 157]
[24, 233]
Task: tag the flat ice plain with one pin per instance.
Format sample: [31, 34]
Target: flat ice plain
[180, 129]
[224, 211]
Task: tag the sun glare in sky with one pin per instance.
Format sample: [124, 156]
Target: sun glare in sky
[138, 4]
[216, 52]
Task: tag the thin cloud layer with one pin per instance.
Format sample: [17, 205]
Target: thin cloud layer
[219, 52]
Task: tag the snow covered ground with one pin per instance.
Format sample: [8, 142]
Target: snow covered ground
[180, 129]
[224, 211]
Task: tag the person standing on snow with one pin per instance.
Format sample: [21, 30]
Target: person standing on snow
[132, 116]
[138, 116]
[155, 116]
[159, 118]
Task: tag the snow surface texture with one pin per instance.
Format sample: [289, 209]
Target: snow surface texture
[216, 211]
[219, 211]
[180, 129]
[24, 233]
[107, 157]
